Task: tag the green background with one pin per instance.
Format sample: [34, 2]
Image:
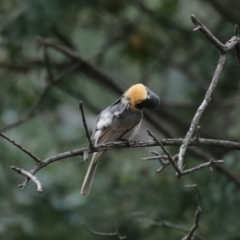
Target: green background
[151, 42]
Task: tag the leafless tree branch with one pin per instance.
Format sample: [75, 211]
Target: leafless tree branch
[200, 111]
[204, 165]
[34, 157]
[223, 48]
[170, 158]
[134, 144]
[191, 233]
[29, 175]
[163, 223]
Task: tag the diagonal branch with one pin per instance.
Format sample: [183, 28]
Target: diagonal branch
[29, 175]
[204, 165]
[170, 158]
[34, 157]
[200, 110]
[224, 48]
[191, 233]
[163, 223]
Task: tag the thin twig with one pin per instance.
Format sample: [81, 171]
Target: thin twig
[91, 146]
[199, 26]
[159, 170]
[35, 158]
[29, 175]
[116, 233]
[159, 157]
[170, 158]
[191, 233]
[204, 165]
[163, 223]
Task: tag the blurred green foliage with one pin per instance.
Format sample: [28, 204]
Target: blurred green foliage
[133, 41]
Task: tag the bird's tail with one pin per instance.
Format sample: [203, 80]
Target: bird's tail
[87, 182]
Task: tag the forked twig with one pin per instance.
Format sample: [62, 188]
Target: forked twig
[29, 175]
[170, 158]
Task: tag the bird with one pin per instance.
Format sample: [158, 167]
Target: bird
[119, 121]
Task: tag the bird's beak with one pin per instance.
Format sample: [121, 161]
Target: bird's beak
[152, 100]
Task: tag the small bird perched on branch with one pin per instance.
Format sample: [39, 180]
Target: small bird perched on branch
[119, 121]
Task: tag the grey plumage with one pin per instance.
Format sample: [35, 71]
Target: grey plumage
[116, 122]
[121, 120]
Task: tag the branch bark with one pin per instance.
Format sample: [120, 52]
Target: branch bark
[29, 176]
[200, 111]
[223, 48]
[134, 144]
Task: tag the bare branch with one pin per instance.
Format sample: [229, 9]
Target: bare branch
[29, 175]
[167, 153]
[35, 158]
[199, 26]
[116, 233]
[162, 223]
[191, 233]
[91, 146]
[223, 48]
[134, 144]
[200, 110]
[207, 156]
[204, 165]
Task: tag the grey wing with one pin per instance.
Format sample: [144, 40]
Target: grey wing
[124, 126]
[104, 119]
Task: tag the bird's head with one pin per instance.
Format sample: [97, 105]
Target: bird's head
[141, 97]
